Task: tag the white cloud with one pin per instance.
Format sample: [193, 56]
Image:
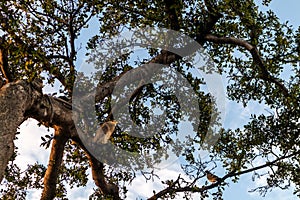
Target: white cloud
[142, 189]
[28, 143]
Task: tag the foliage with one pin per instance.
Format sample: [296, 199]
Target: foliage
[41, 37]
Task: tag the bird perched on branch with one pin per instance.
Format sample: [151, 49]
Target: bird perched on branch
[104, 132]
[211, 177]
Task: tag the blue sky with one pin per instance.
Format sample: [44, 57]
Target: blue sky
[287, 10]
[29, 140]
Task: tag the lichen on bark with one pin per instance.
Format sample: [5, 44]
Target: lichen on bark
[15, 99]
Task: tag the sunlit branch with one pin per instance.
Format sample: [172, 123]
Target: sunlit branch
[55, 160]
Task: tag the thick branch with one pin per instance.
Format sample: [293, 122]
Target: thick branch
[21, 100]
[229, 40]
[99, 178]
[55, 160]
[15, 99]
[106, 89]
[52, 111]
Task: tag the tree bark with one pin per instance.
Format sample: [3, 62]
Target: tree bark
[55, 160]
[15, 99]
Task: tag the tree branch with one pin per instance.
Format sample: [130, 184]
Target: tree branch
[107, 189]
[21, 100]
[4, 60]
[15, 99]
[106, 89]
[255, 54]
[168, 190]
[55, 160]
[194, 189]
[267, 164]
[30, 48]
[98, 175]
[171, 13]
[207, 26]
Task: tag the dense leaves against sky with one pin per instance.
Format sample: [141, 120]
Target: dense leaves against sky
[43, 39]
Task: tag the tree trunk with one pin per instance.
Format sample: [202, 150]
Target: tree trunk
[15, 99]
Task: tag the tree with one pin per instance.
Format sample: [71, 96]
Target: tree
[251, 46]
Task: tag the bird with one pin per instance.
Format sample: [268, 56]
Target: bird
[211, 177]
[104, 132]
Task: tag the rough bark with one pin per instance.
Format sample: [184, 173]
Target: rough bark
[15, 99]
[21, 100]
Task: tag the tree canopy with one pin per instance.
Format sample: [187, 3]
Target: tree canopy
[41, 44]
